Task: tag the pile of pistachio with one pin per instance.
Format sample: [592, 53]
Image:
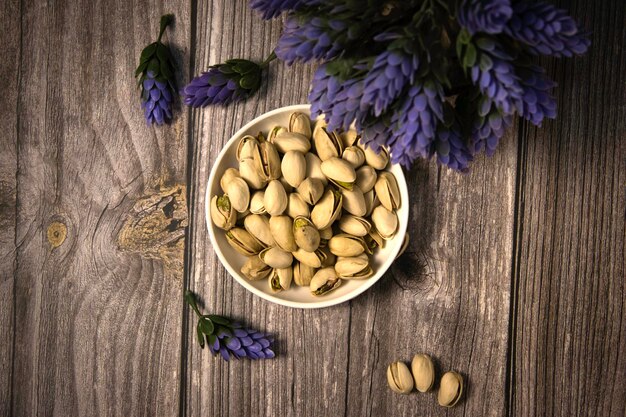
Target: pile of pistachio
[307, 205]
[422, 376]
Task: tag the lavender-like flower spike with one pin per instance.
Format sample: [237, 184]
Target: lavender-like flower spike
[374, 134]
[488, 123]
[273, 8]
[536, 102]
[391, 72]
[488, 16]
[546, 29]
[157, 100]
[451, 148]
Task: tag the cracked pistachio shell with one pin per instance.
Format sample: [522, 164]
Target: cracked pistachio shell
[354, 225]
[324, 281]
[314, 168]
[346, 245]
[423, 371]
[374, 239]
[311, 189]
[356, 267]
[293, 167]
[280, 279]
[327, 144]
[239, 194]
[248, 171]
[302, 274]
[405, 245]
[354, 155]
[339, 172]
[243, 242]
[371, 201]
[222, 212]
[275, 198]
[349, 138]
[312, 259]
[275, 131]
[281, 229]
[385, 221]
[387, 191]
[296, 206]
[228, 175]
[399, 378]
[276, 257]
[259, 227]
[450, 389]
[375, 160]
[291, 141]
[300, 123]
[326, 233]
[257, 206]
[327, 210]
[247, 147]
[267, 161]
[255, 269]
[366, 178]
[330, 260]
[354, 201]
[306, 235]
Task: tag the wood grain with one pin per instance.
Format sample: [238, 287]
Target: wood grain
[97, 326]
[569, 346]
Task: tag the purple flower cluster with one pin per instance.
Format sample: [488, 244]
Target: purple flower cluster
[273, 8]
[239, 342]
[451, 149]
[156, 100]
[211, 87]
[489, 125]
[536, 102]
[487, 16]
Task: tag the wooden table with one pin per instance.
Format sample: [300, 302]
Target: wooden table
[515, 275]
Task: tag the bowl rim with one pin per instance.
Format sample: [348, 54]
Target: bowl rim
[367, 284]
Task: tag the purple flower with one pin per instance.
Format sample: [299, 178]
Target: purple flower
[305, 39]
[391, 72]
[374, 134]
[488, 16]
[239, 342]
[536, 102]
[489, 125]
[451, 148]
[416, 123]
[546, 30]
[156, 100]
[273, 8]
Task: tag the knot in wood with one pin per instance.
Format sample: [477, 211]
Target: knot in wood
[57, 232]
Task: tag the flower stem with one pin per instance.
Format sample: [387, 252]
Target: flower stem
[269, 59]
[191, 300]
[166, 20]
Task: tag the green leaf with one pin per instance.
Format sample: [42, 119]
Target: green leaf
[464, 36]
[218, 319]
[245, 67]
[225, 69]
[147, 52]
[250, 81]
[200, 335]
[206, 325]
[141, 68]
[166, 71]
[154, 67]
[190, 299]
[211, 338]
[469, 59]
[162, 52]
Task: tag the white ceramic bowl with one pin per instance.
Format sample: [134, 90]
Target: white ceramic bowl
[299, 297]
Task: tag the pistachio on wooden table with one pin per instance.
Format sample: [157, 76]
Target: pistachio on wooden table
[450, 389]
[423, 371]
[399, 378]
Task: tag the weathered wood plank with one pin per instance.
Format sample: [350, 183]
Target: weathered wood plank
[569, 342]
[9, 74]
[97, 326]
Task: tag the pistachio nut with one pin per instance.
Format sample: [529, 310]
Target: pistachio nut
[242, 215]
[387, 191]
[354, 225]
[339, 172]
[385, 221]
[255, 269]
[222, 212]
[450, 389]
[267, 161]
[300, 123]
[275, 198]
[346, 245]
[288, 188]
[330, 259]
[376, 159]
[405, 245]
[259, 227]
[311, 189]
[374, 239]
[247, 147]
[327, 210]
[357, 267]
[349, 137]
[366, 178]
[306, 235]
[371, 201]
[228, 175]
[275, 131]
[399, 378]
[314, 168]
[280, 279]
[239, 194]
[354, 155]
[276, 257]
[243, 242]
[248, 171]
[312, 259]
[257, 206]
[354, 201]
[325, 235]
[291, 141]
[302, 274]
[423, 371]
[294, 168]
[327, 144]
[296, 206]
[281, 229]
[324, 281]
